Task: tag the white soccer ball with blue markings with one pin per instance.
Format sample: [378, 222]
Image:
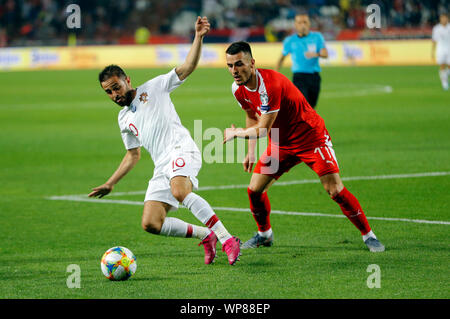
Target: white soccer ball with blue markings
[118, 263]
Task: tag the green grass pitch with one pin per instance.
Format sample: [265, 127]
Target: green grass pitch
[60, 137]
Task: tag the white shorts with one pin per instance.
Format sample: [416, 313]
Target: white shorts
[443, 56]
[182, 163]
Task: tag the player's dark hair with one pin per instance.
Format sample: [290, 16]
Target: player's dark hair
[237, 47]
[110, 71]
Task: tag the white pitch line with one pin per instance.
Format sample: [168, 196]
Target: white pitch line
[303, 181]
[376, 89]
[237, 209]
[84, 198]
[282, 212]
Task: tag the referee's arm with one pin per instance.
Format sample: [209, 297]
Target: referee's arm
[280, 62]
[323, 53]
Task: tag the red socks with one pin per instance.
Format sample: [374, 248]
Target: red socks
[260, 207]
[351, 208]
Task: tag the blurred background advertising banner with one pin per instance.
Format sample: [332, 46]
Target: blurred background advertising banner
[341, 53]
[390, 52]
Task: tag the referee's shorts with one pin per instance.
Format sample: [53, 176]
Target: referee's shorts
[309, 85]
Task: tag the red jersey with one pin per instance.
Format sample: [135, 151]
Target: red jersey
[300, 127]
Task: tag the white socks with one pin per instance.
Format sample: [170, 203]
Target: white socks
[200, 208]
[175, 227]
[204, 213]
[443, 75]
[368, 235]
[265, 234]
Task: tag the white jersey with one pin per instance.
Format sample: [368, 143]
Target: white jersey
[441, 35]
[151, 121]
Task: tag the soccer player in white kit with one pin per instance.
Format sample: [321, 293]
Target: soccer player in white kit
[148, 118]
[441, 48]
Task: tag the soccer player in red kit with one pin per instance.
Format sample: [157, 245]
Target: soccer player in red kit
[275, 107]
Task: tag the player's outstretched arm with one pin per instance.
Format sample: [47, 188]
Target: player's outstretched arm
[202, 27]
[130, 159]
[251, 119]
[260, 129]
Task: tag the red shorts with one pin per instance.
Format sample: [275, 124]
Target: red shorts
[320, 159]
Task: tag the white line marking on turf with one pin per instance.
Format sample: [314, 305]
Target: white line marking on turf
[304, 181]
[84, 198]
[237, 209]
[374, 89]
[282, 212]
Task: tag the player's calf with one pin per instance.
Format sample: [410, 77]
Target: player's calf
[260, 208]
[204, 213]
[351, 208]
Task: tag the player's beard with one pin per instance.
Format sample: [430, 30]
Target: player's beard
[246, 81]
[126, 99]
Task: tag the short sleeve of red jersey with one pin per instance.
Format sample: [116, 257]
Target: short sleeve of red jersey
[270, 95]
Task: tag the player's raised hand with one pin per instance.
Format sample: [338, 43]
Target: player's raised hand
[229, 133]
[202, 26]
[101, 191]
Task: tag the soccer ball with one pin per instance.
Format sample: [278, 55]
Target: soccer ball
[118, 263]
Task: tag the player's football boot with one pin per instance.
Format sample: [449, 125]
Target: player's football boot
[209, 244]
[257, 241]
[232, 248]
[374, 245]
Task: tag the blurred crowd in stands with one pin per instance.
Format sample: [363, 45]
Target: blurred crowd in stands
[43, 22]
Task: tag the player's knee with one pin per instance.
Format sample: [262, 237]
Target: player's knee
[179, 194]
[332, 192]
[333, 189]
[252, 189]
[255, 187]
[180, 187]
[152, 226]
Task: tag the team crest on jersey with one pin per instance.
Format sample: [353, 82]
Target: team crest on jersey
[264, 102]
[264, 99]
[143, 97]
